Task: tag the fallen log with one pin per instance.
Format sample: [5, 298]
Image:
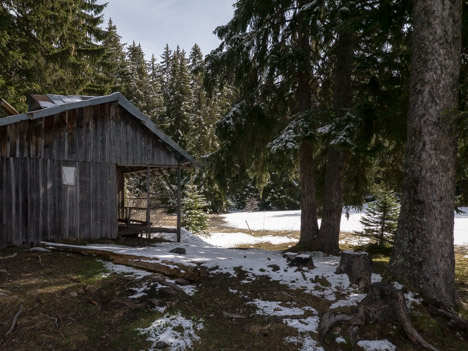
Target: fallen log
[152, 264]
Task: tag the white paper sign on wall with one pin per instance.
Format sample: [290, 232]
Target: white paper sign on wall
[69, 175]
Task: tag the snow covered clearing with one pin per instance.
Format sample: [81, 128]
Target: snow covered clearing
[228, 240]
[350, 222]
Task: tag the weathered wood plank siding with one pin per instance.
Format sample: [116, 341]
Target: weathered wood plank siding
[102, 133]
[36, 205]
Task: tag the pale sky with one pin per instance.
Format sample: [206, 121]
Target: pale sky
[153, 23]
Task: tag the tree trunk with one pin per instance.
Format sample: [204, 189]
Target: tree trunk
[328, 238]
[423, 255]
[309, 225]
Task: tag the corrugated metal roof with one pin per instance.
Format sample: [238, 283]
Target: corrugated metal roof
[48, 105]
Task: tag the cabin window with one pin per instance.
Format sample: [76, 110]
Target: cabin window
[69, 175]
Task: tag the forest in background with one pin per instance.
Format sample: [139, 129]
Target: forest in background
[234, 109]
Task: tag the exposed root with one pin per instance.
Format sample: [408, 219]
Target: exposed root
[384, 304]
[455, 321]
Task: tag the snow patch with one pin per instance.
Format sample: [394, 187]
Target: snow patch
[126, 270]
[376, 345]
[352, 300]
[274, 308]
[39, 249]
[340, 340]
[167, 330]
[307, 342]
[309, 324]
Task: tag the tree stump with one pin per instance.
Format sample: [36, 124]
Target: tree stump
[358, 267]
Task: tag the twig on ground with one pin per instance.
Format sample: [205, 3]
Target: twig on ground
[9, 256]
[250, 230]
[92, 301]
[52, 318]
[13, 323]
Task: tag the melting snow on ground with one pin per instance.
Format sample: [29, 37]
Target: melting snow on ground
[274, 308]
[376, 345]
[39, 249]
[175, 331]
[127, 271]
[228, 240]
[210, 252]
[304, 326]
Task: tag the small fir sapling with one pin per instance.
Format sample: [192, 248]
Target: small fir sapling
[195, 219]
[381, 216]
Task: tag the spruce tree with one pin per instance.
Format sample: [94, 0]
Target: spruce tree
[381, 216]
[140, 90]
[114, 73]
[423, 254]
[155, 106]
[180, 101]
[195, 219]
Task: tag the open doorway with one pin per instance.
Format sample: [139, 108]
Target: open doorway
[149, 200]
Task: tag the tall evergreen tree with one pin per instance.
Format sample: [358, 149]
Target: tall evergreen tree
[423, 254]
[50, 47]
[266, 51]
[141, 90]
[156, 108]
[114, 73]
[180, 104]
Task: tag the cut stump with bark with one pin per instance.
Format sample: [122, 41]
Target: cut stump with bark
[358, 267]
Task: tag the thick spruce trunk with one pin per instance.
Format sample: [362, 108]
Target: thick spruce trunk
[328, 237]
[423, 255]
[309, 225]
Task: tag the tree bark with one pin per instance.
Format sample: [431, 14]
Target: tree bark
[328, 237]
[423, 254]
[309, 225]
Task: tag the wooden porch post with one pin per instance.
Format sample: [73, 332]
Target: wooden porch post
[148, 202]
[179, 210]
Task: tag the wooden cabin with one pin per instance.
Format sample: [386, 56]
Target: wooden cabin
[62, 166]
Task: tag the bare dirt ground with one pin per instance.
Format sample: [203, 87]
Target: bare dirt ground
[69, 302]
